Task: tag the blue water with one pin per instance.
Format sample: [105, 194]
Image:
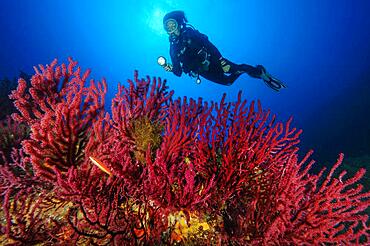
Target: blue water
[320, 49]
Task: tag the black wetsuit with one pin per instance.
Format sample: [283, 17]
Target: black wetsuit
[192, 53]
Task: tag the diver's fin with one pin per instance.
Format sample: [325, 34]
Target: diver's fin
[273, 83]
[270, 81]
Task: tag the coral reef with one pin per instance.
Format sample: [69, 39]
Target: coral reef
[6, 86]
[11, 135]
[159, 170]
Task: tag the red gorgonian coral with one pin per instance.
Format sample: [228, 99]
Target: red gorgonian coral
[163, 170]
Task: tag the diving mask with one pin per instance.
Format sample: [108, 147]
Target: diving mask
[171, 26]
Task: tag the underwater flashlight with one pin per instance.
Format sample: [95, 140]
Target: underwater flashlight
[163, 63]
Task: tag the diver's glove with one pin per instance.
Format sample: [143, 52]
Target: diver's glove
[168, 67]
[270, 81]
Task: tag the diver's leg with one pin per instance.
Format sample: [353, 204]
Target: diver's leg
[258, 72]
[216, 73]
[230, 67]
[221, 78]
[254, 72]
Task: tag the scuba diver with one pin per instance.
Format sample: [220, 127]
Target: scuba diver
[192, 53]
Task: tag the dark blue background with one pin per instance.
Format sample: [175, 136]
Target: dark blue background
[320, 49]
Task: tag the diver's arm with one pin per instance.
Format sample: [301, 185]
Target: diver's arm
[176, 66]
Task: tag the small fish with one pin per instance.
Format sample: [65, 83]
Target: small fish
[100, 165]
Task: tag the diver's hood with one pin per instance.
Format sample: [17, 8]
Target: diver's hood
[178, 16]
